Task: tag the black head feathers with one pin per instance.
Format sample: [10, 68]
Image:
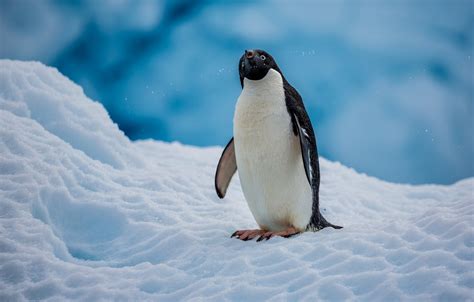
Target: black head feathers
[255, 64]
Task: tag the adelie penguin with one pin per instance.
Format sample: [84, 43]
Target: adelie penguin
[274, 151]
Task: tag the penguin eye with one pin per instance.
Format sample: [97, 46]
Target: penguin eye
[243, 64]
[263, 57]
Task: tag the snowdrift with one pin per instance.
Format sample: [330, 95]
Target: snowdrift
[87, 214]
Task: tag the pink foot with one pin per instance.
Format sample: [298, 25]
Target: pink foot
[251, 234]
[291, 231]
[247, 234]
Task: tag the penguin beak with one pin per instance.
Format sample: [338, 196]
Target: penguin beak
[249, 59]
[249, 54]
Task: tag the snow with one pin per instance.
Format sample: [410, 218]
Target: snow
[87, 214]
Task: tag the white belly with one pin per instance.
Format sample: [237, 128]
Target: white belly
[268, 157]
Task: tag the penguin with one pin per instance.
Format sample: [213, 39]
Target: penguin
[274, 150]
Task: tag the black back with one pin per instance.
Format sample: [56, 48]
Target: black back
[300, 119]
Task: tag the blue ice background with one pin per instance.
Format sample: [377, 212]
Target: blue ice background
[388, 85]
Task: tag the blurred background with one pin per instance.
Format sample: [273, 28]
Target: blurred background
[387, 84]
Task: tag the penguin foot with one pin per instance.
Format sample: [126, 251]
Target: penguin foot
[248, 234]
[285, 234]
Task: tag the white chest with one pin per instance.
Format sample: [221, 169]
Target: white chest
[268, 156]
[260, 113]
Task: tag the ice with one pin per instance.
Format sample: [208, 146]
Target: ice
[86, 214]
[391, 69]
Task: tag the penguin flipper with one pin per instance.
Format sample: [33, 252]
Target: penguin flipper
[305, 144]
[225, 169]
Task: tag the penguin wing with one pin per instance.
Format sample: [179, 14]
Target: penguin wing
[305, 143]
[225, 169]
[303, 128]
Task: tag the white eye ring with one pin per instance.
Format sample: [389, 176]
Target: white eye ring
[243, 64]
[263, 57]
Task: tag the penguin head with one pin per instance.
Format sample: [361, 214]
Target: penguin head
[255, 64]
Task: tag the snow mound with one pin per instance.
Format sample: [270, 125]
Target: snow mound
[86, 214]
[30, 90]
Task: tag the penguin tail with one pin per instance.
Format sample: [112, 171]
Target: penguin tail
[321, 224]
[337, 227]
[326, 223]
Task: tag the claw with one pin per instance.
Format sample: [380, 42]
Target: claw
[289, 235]
[246, 235]
[285, 234]
[264, 237]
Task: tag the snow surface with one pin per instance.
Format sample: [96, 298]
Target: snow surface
[87, 214]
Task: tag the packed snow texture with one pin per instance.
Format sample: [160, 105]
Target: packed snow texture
[87, 214]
